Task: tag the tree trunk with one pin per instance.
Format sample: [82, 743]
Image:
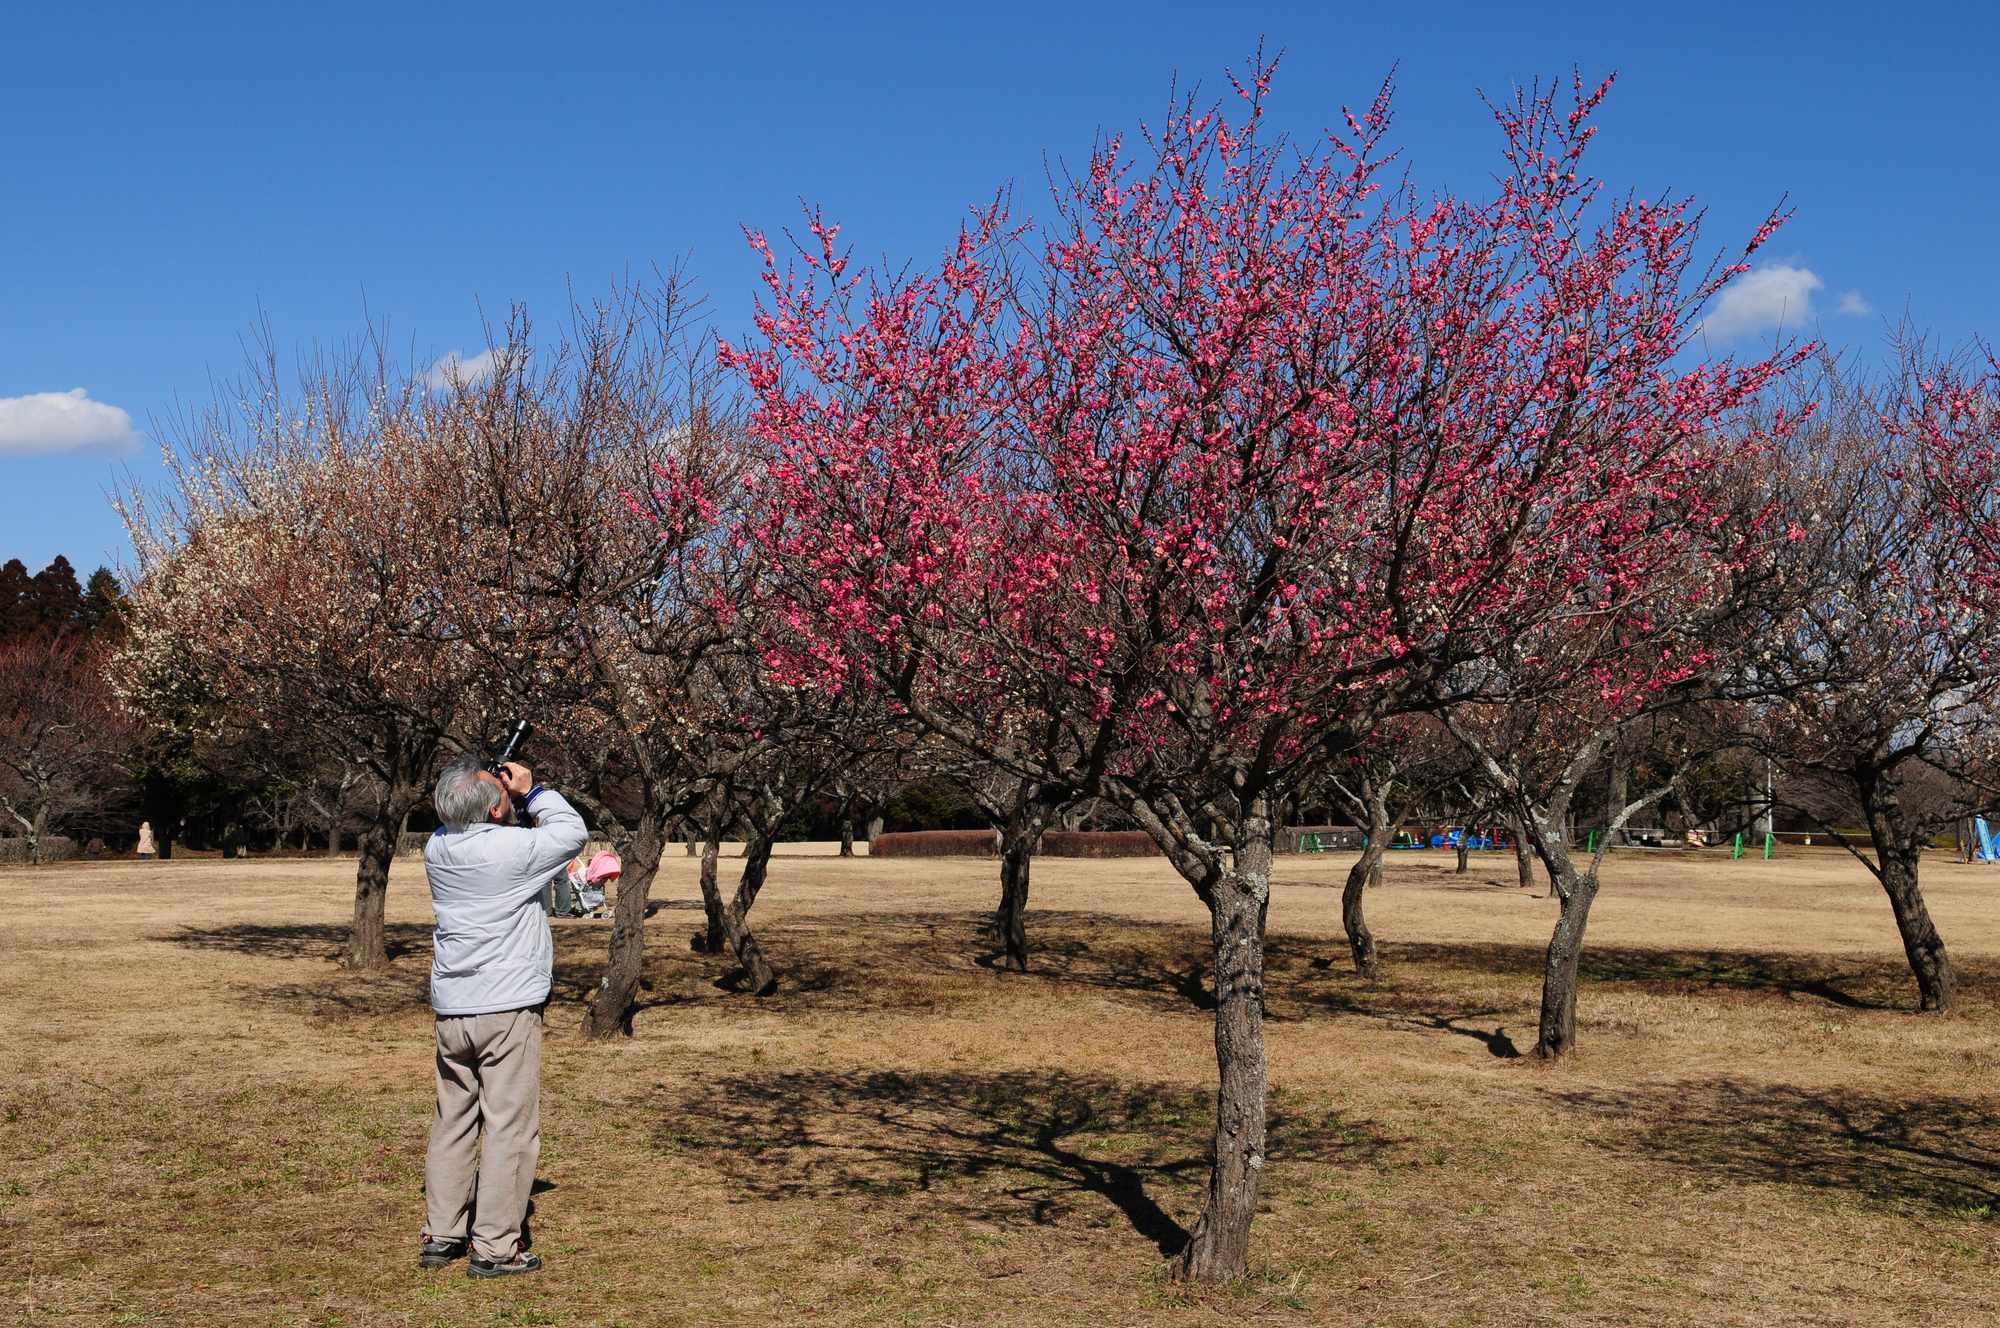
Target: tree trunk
[709, 939]
[846, 835]
[36, 829]
[1524, 858]
[1018, 838]
[612, 1004]
[1899, 854]
[1219, 1248]
[1557, 1035]
[333, 836]
[1360, 940]
[874, 828]
[759, 977]
[367, 942]
[1464, 849]
[1617, 792]
[1922, 946]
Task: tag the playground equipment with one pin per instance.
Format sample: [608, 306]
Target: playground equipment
[1315, 842]
[1770, 845]
[1472, 838]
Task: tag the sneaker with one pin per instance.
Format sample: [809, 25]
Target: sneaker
[523, 1262]
[438, 1253]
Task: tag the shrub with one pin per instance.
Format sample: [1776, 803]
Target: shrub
[986, 844]
[55, 848]
[935, 844]
[1099, 844]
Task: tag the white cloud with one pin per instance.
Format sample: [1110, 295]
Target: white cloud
[455, 367]
[1852, 304]
[1777, 296]
[49, 423]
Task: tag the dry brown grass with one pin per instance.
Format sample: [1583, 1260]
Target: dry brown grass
[205, 1122]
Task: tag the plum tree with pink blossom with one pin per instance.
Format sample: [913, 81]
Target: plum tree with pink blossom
[1253, 447]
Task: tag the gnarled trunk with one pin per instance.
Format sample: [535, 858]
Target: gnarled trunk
[874, 828]
[1366, 869]
[1524, 857]
[1898, 855]
[846, 835]
[1360, 940]
[759, 977]
[611, 1005]
[1019, 836]
[1557, 1033]
[1545, 830]
[1219, 1248]
[709, 939]
[1922, 946]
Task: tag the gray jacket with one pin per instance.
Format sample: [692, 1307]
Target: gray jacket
[492, 950]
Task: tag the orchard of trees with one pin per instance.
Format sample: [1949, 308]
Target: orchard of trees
[1250, 481]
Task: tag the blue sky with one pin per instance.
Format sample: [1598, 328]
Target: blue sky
[174, 173]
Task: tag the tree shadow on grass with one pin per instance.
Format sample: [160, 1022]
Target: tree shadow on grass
[1847, 982]
[818, 973]
[1165, 964]
[875, 962]
[1497, 1043]
[1042, 1147]
[1938, 1152]
[297, 940]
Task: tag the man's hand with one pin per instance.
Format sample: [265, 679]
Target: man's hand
[518, 779]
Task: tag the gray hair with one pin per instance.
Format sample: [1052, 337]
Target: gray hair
[461, 796]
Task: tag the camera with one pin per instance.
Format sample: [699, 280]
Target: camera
[496, 767]
[515, 737]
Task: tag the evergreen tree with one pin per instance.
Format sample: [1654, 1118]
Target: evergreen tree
[57, 597]
[103, 601]
[16, 600]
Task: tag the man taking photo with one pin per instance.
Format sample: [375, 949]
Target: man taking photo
[491, 967]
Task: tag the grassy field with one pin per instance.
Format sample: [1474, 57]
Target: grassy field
[206, 1122]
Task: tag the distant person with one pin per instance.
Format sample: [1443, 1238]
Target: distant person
[491, 968]
[578, 889]
[599, 877]
[147, 849]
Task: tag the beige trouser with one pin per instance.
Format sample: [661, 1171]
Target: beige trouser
[489, 1071]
